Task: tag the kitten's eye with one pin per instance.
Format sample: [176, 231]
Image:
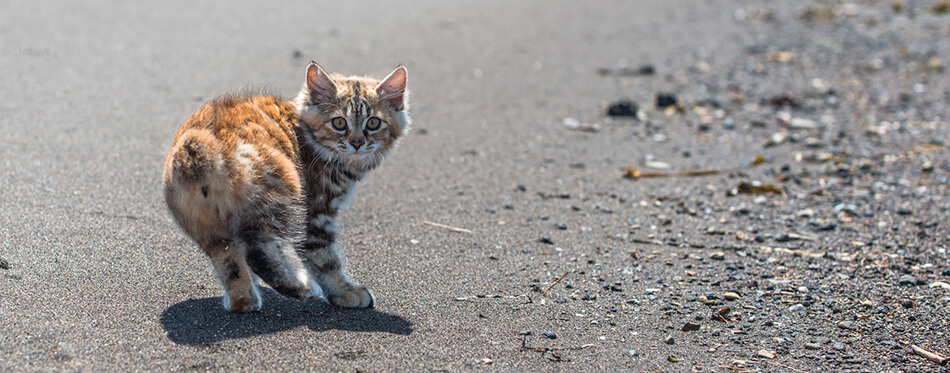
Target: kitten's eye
[338, 123]
[373, 123]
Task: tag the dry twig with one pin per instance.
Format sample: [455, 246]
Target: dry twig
[449, 227]
[940, 360]
[555, 283]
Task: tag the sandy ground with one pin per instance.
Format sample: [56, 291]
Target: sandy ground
[822, 228]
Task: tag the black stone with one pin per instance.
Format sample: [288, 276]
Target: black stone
[623, 108]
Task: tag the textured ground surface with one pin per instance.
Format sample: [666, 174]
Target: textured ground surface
[826, 221]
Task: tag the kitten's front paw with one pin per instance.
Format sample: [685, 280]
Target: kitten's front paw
[352, 296]
[242, 304]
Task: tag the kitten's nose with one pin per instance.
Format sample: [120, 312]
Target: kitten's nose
[356, 144]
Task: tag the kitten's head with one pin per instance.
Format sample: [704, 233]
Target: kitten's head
[354, 120]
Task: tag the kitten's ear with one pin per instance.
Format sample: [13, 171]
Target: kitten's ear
[392, 90]
[321, 88]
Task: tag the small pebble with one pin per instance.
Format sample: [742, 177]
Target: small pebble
[940, 284]
[907, 303]
[907, 280]
[766, 354]
[846, 325]
[524, 332]
[561, 226]
[718, 255]
[547, 240]
[796, 308]
[689, 326]
[633, 353]
[731, 296]
[838, 346]
[812, 346]
[550, 335]
[669, 340]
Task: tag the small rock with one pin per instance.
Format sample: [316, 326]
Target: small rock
[846, 325]
[718, 255]
[669, 340]
[487, 361]
[561, 226]
[802, 123]
[936, 284]
[898, 358]
[829, 226]
[838, 346]
[550, 335]
[802, 289]
[665, 100]
[689, 326]
[731, 296]
[907, 280]
[4, 264]
[796, 308]
[623, 108]
[812, 346]
[766, 354]
[907, 303]
[524, 332]
[633, 353]
[546, 240]
[866, 303]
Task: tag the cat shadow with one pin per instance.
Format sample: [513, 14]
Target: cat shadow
[204, 321]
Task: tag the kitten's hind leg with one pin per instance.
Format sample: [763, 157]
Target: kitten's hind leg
[323, 258]
[240, 292]
[273, 258]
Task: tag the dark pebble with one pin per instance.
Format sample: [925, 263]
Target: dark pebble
[4, 264]
[547, 240]
[784, 101]
[907, 303]
[297, 53]
[509, 206]
[688, 327]
[623, 108]
[665, 100]
[669, 340]
[561, 226]
[550, 335]
[522, 188]
[830, 226]
[905, 211]
[898, 358]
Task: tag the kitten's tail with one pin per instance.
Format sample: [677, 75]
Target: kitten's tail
[191, 191]
[191, 159]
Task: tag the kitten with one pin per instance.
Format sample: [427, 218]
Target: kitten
[258, 182]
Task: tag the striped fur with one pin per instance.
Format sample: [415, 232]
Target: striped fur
[258, 182]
